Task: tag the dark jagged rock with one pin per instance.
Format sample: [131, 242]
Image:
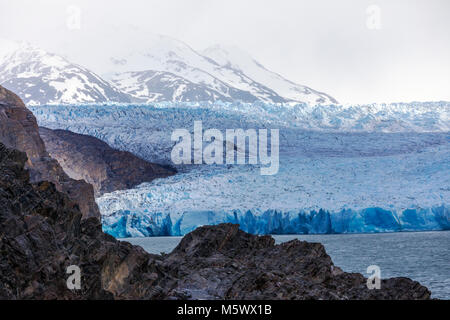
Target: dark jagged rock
[225, 262]
[42, 233]
[106, 169]
[49, 222]
[19, 130]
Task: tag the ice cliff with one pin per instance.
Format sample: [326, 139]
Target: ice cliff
[370, 168]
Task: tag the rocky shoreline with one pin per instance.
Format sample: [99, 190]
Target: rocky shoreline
[42, 233]
[45, 227]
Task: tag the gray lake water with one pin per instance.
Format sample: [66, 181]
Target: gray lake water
[421, 256]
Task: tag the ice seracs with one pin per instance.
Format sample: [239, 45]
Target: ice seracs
[370, 168]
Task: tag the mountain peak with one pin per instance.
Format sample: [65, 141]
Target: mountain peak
[158, 68]
[40, 77]
[235, 58]
[228, 55]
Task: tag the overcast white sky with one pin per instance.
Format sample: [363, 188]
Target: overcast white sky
[325, 44]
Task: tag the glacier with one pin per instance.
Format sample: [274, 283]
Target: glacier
[343, 169]
[126, 224]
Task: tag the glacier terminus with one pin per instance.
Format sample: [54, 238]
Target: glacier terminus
[343, 168]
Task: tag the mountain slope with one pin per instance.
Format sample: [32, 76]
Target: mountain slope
[92, 160]
[235, 59]
[39, 77]
[157, 86]
[164, 54]
[155, 70]
[19, 130]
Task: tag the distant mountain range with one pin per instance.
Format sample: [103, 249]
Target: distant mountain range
[167, 70]
[39, 77]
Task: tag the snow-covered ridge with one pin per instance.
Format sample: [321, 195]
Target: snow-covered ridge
[39, 77]
[240, 78]
[235, 59]
[155, 86]
[157, 69]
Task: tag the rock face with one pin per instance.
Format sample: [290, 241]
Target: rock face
[19, 130]
[106, 169]
[42, 233]
[223, 262]
[45, 228]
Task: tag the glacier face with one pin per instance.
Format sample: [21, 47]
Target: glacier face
[372, 168]
[125, 223]
[308, 195]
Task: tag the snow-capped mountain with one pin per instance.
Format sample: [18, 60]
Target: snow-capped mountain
[156, 86]
[235, 59]
[39, 77]
[156, 69]
[190, 70]
[185, 73]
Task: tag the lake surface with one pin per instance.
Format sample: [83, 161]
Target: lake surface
[421, 256]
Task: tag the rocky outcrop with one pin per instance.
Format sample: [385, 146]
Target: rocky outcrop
[90, 159]
[42, 233]
[49, 222]
[19, 130]
[223, 262]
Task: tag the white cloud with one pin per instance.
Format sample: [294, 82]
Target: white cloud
[324, 44]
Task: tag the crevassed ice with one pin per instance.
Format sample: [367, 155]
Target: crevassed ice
[342, 168]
